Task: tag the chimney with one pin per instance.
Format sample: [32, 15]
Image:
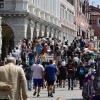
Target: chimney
[98, 6]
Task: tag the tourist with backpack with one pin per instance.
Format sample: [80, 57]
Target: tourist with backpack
[81, 74]
[71, 74]
[23, 56]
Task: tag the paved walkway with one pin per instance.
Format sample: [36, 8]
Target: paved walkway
[64, 93]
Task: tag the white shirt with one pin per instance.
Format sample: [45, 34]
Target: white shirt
[76, 59]
[18, 52]
[15, 55]
[91, 61]
[86, 49]
[63, 63]
[51, 42]
[63, 41]
[37, 71]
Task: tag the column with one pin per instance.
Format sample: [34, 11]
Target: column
[0, 37]
[55, 34]
[45, 32]
[20, 30]
[48, 31]
[37, 29]
[59, 35]
[52, 32]
[42, 30]
[32, 25]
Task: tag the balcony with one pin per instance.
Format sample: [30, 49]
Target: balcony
[69, 24]
[43, 15]
[65, 2]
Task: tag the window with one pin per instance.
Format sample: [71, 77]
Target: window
[71, 2]
[99, 22]
[83, 34]
[62, 11]
[1, 4]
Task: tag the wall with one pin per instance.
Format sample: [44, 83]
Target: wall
[94, 23]
[82, 21]
[50, 6]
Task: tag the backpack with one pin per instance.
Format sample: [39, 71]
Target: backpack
[70, 68]
[81, 71]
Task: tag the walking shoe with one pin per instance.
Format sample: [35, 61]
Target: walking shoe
[38, 95]
[51, 95]
[71, 88]
[63, 86]
[60, 86]
[34, 93]
[54, 91]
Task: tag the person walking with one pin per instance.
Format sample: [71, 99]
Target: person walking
[71, 74]
[50, 71]
[38, 72]
[12, 81]
[81, 74]
[29, 76]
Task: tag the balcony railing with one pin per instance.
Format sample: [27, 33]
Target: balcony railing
[68, 5]
[43, 15]
[68, 24]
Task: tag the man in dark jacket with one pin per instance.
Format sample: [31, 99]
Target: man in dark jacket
[81, 74]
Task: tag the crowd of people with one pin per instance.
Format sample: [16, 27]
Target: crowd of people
[73, 62]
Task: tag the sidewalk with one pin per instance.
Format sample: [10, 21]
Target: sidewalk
[64, 93]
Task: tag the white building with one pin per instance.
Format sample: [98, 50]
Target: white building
[68, 18]
[28, 19]
[33, 18]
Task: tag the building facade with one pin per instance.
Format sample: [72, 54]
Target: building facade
[68, 19]
[95, 24]
[95, 19]
[33, 18]
[28, 19]
[82, 19]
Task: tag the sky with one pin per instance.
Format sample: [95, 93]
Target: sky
[97, 2]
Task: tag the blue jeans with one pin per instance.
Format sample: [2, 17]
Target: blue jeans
[30, 84]
[65, 58]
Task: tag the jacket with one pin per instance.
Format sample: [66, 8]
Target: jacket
[13, 75]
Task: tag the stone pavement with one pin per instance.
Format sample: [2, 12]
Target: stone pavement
[64, 93]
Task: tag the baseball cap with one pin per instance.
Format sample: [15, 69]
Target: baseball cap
[38, 60]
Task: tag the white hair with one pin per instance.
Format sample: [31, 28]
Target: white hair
[11, 60]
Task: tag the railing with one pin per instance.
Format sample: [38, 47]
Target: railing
[68, 5]
[68, 24]
[43, 15]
